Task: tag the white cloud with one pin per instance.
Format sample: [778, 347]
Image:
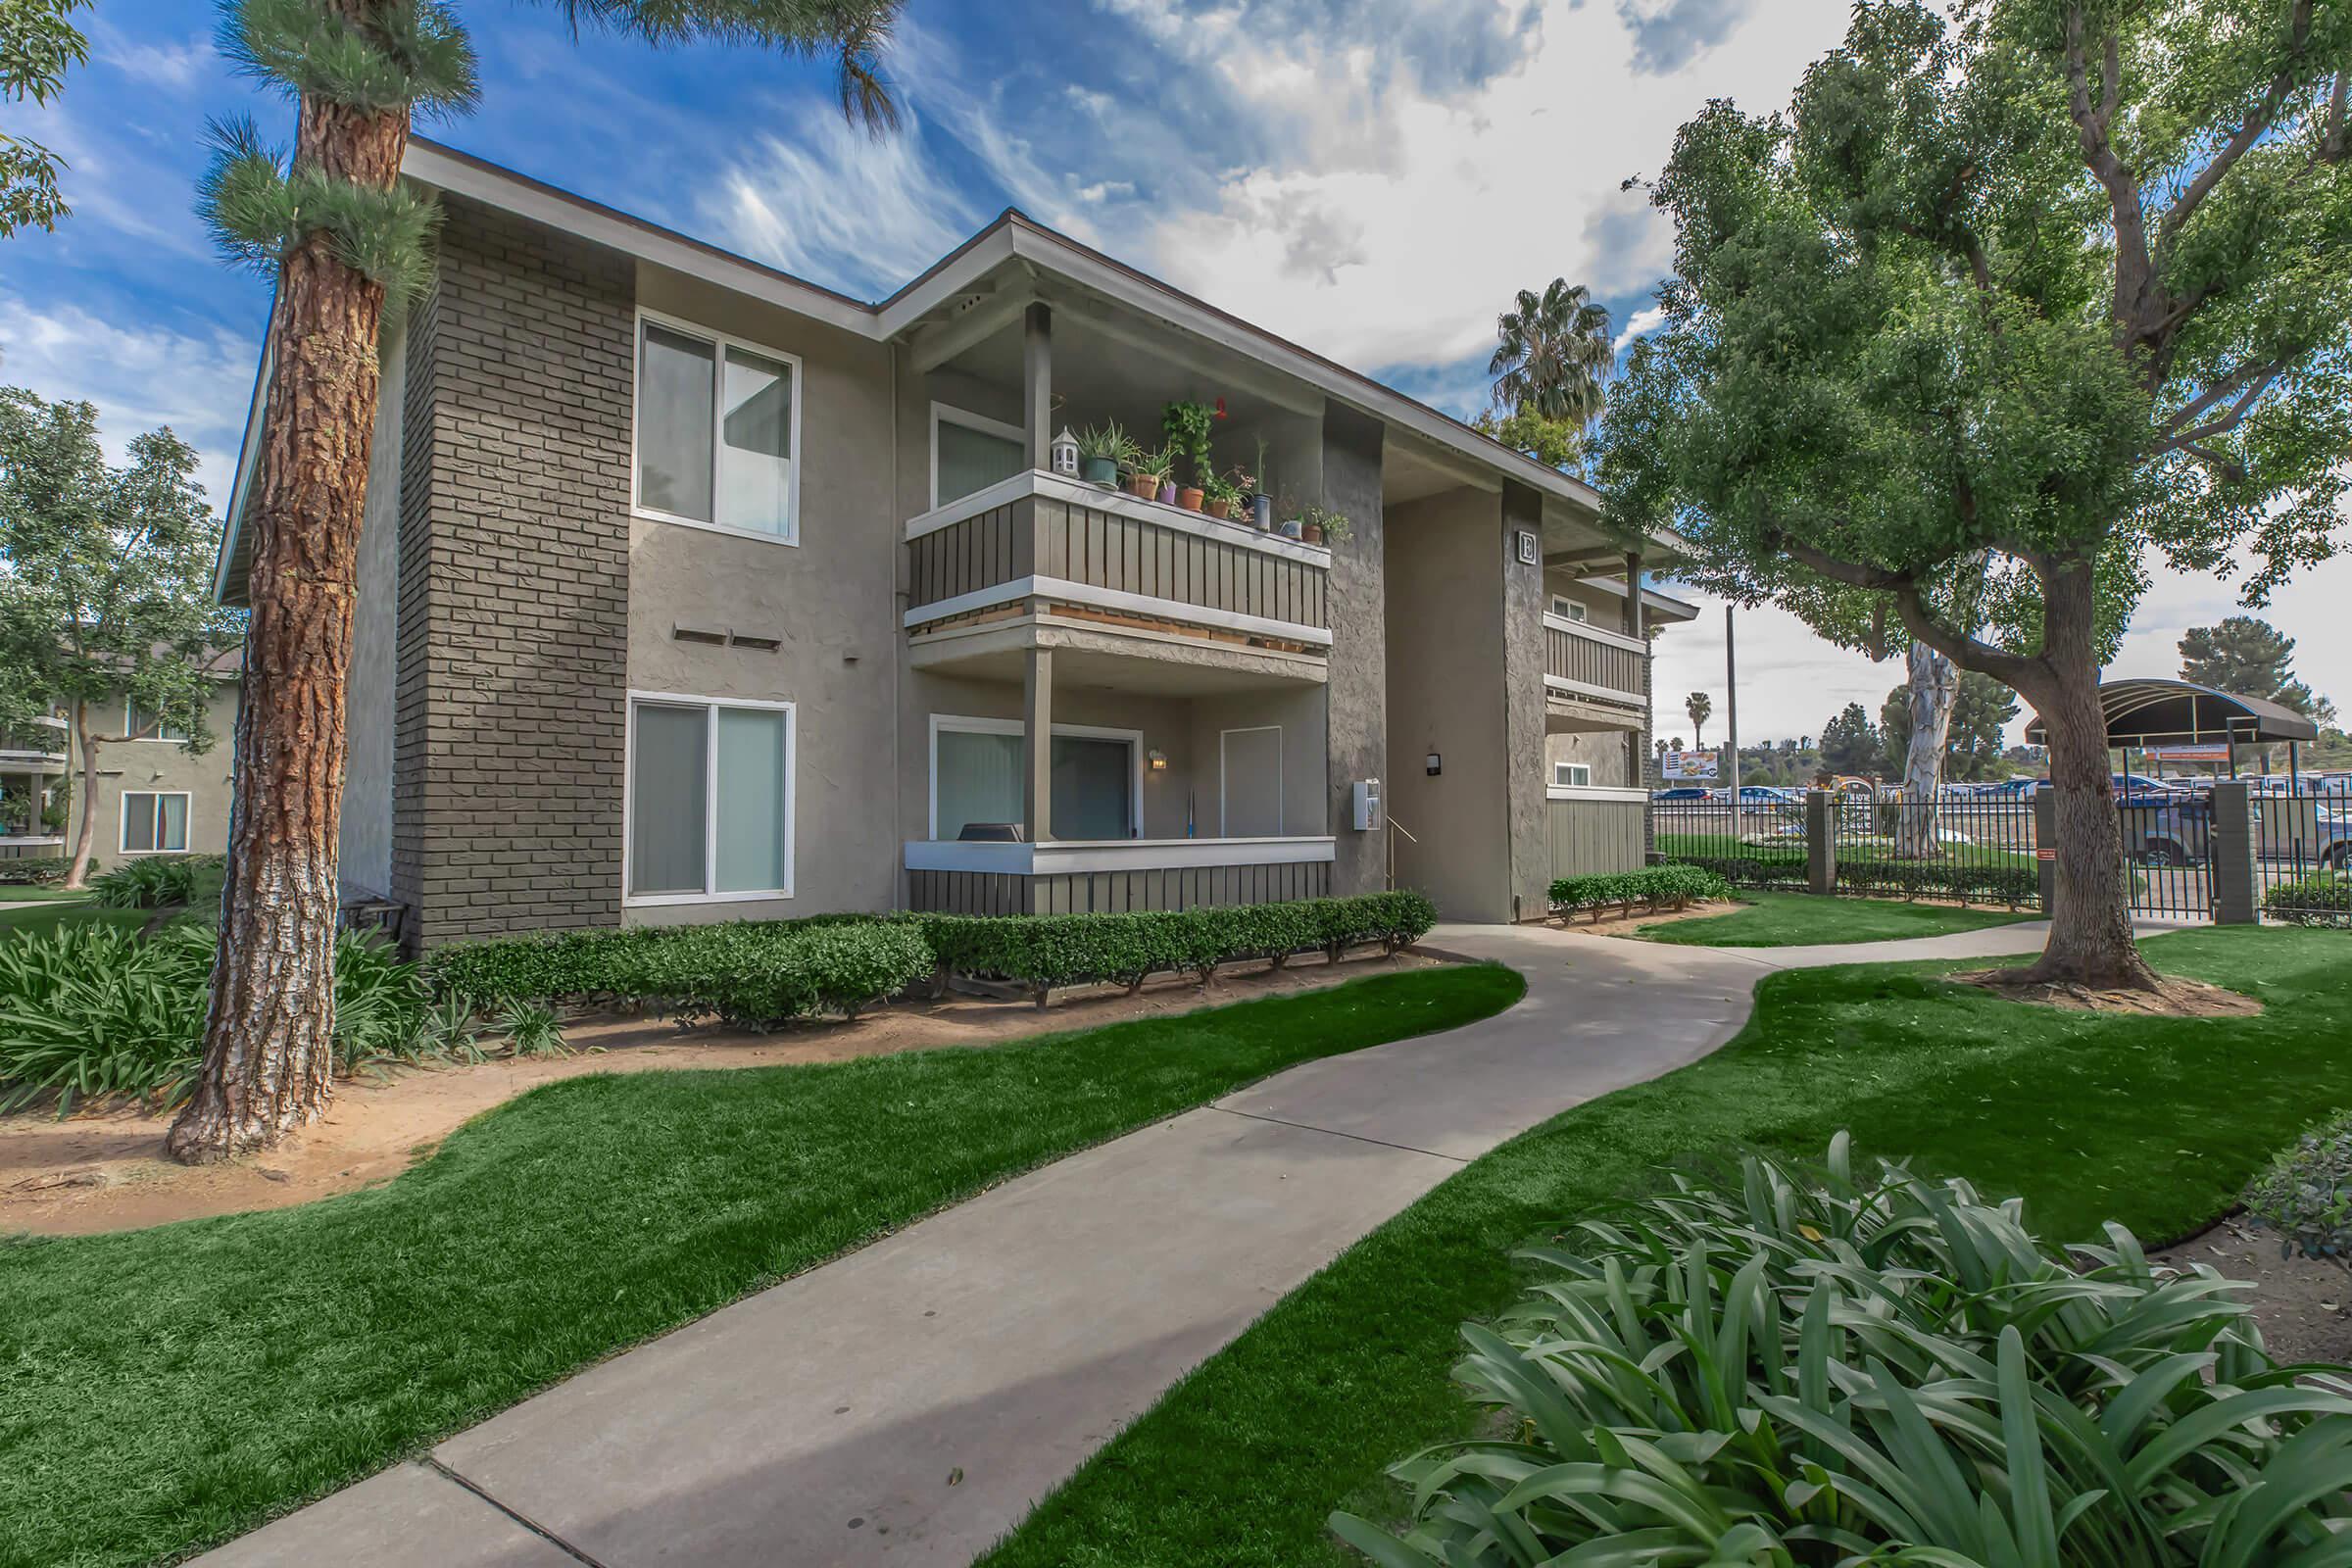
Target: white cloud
[173, 67]
[1641, 324]
[859, 213]
[139, 377]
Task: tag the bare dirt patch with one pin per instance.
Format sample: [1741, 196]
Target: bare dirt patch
[2172, 997]
[107, 1171]
[2300, 1303]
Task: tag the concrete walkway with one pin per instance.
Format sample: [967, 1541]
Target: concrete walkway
[908, 1403]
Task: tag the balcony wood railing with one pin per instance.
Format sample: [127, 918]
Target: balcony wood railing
[1583, 661]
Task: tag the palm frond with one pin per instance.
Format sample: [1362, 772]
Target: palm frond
[852, 34]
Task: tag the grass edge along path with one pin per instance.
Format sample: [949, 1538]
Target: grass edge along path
[1771, 919]
[1240, 1463]
[166, 1388]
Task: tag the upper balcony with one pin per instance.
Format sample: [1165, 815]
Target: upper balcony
[1593, 678]
[36, 746]
[1038, 553]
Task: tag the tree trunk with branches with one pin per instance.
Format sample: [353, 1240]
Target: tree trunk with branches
[1935, 688]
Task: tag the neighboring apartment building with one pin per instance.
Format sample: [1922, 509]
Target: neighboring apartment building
[154, 796]
[690, 590]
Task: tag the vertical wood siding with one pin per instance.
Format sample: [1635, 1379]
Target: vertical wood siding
[1114, 892]
[1593, 836]
[1592, 662]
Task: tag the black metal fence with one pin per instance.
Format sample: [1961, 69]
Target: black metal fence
[2303, 852]
[2170, 853]
[1972, 848]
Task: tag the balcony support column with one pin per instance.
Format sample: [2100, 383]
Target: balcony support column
[1036, 382]
[1636, 744]
[1037, 746]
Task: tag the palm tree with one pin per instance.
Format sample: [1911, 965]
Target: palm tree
[1553, 355]
[1700, 705]
[343, 240]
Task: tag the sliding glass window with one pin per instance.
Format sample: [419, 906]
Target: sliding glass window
[709, 799]
[717, 428]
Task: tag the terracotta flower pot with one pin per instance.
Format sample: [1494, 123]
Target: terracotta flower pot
[1140, 486]
[1220, 509]
[1313, 532]
[1188, 497]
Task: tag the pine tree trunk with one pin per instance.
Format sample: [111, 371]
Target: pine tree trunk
[77, 874]
[267, 1041]
[2090, 941]
[1934, 685]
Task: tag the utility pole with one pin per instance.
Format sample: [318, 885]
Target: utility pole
[1731, 698]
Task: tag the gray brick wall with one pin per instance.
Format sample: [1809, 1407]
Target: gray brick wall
[514, 585]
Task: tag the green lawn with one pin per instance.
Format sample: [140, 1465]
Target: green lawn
[2156, 1123]
[37, 895]
[1799, 919]
[164, 1389]
[19, 918]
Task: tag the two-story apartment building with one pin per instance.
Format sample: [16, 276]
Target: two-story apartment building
[153, 796]
[691, 590]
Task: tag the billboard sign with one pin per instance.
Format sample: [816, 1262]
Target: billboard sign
[2192, 752]
[1688, 768]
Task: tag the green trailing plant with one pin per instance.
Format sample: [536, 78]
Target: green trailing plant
[1785, 1365]
[1220, 487]
[1656, 887]
[2305, 1193]
[1187, 426]
[1336, 526]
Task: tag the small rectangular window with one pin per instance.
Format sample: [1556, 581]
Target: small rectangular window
[140, 724]
[1572, 775]
[969, 454]
[155, 822]
[1568, 609]
[715, 432]
[709, 799]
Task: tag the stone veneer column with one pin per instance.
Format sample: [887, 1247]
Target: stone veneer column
[1525, 780]
[1356, 697]
[513, 641]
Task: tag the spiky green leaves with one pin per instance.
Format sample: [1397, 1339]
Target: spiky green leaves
[258, 213]
[397, 54]
[855, 33]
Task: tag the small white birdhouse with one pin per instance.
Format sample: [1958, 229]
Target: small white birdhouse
[1066, 454]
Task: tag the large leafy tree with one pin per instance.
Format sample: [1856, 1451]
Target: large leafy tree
[2048, 284]
[38, 41]
[1553, 355]
[1981, 708]
[344, 240]
[106, 586]
[2248, 657]
[1850, 743]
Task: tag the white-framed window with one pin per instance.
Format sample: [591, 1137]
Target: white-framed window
[141, 725]
[708, 807]
[719, 431]
[1572, 775]
[1568, 609]
[970, 451]
[155, 821]
[1097, 783]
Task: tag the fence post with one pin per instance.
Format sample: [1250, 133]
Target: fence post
[2045, 845]
[1821, 842]
[2236, 886]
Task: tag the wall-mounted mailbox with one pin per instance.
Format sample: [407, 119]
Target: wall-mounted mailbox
[1364, 796]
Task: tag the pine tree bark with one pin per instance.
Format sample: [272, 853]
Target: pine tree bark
[2090, 942]
[269, 1038]
[1933, 688]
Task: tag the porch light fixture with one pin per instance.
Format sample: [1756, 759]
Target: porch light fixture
[1435, 763]
[1066, 454]
[1158, 762]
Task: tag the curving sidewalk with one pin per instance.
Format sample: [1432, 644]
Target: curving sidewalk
[908, 1403]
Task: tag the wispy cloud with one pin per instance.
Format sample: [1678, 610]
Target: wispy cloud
[1641, 324]
[1669, 35]
[173, 67]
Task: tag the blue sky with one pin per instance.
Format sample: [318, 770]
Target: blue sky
[1369, 178]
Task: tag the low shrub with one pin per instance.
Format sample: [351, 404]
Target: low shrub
[1788, 1365]
[1047, 952]
[761, 973]
[92, 1012]
[2324, 899]
[152, 882]
[2015, 885]
[41, 871]
[1762, 870]
[1659, 887]
[2305, 1194]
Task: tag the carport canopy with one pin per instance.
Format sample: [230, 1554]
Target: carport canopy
[2152, 711]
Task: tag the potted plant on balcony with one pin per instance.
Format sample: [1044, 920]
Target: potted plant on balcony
[1319, 524]
[1291, 528]
[1100, 447]
[1147, 474]
[1260, 497]
[1220, 495]
[1186, 426]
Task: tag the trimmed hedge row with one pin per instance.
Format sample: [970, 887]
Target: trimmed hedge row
[2015, 885]
[1669, 887]
[1040, 953]
[36, 871]
[749, 972]
[764, 972]
[1750, 871]
[2324, 899]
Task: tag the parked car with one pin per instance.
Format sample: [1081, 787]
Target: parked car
[1682, 792]
[1768, 795]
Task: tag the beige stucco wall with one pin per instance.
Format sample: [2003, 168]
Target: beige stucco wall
[160, 766]
[1445, 694]
[830, 599]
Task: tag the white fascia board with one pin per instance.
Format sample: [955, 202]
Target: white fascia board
[1598, 793]
[1063, 856]
[1586, 688]
[1064, 591]
[1594, 634]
